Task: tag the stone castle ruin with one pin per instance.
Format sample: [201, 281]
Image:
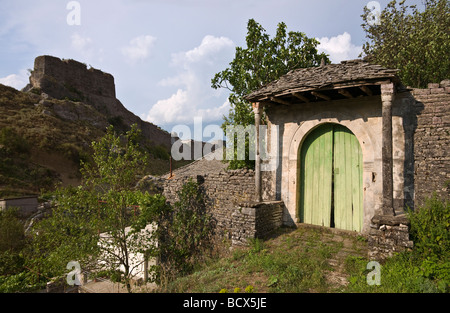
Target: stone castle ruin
[71, 80]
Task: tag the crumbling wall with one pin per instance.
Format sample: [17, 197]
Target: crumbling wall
[71, 79]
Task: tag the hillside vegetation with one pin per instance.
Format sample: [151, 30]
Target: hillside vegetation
[43, 140]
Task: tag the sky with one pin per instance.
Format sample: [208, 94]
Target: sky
[164, 53]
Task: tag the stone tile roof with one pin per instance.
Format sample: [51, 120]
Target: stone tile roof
[324, 77]
[208, 164]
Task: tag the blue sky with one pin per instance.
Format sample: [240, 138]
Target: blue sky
[163, 53]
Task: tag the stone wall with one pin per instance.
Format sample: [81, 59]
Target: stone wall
[230, 196]
[255, 220]
[432, 141]
[426, 168]
[223, 192]
[387, 236]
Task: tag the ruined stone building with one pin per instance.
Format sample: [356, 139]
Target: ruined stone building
[354, 148]
[72, 80]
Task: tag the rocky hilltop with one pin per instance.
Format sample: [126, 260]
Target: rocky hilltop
[71, 80]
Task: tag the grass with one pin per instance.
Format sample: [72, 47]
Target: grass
[293, 261]
[309, 260]
[399, 274]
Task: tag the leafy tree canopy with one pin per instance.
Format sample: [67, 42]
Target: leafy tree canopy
[416, 42]
[264, 60]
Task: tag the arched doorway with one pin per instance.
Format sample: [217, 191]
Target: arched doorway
[330, 178]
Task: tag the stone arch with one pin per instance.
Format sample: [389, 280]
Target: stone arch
[369, 145]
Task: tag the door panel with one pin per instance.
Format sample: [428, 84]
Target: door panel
[347, 167]
[331, 178]
[316, 163]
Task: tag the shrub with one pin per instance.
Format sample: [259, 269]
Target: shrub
[22, 282]
[10, 263]
[159, 152]
[424, 269]
[186, 233]
[430, 231]
[74, 153]
[430, 228]
[118, 123]
[13, 142]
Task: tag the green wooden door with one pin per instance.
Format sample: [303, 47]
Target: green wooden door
[316, 163]
[348, 202]
[331, 178]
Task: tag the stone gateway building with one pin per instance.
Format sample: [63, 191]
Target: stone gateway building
[337, 130]
[354, 148]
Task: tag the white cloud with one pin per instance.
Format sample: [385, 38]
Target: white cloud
[215, 113]
[17, 81]
[139, 48]
[339, 48]
[168, 110]
[208, 48]
[84, 48]
[80, 43]
[195, 98]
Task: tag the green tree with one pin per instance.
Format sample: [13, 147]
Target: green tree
[100, 222]
[264, 60]
[416, 42]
